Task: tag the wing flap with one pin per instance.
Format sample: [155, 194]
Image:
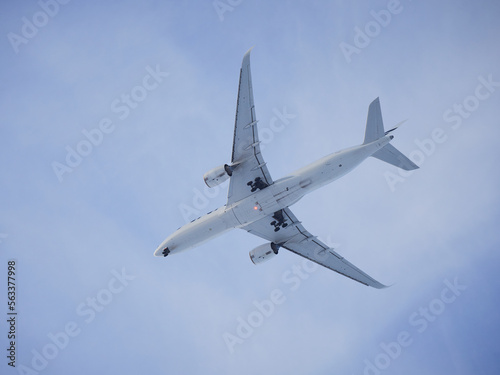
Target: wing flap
[295, 238]
[249, 165]
[316, 251]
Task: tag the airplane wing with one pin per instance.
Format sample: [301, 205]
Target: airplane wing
[294, 237]
[249, 169]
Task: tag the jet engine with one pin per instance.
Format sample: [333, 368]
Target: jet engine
[264, 252]
[217, 175]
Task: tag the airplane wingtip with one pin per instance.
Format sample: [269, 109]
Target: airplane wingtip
[382, 286]
[247, 53]
[378, 285]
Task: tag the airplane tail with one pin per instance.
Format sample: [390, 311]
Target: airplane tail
[375, 130]
[374, 125]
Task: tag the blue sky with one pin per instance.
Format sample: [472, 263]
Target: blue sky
[83, 240]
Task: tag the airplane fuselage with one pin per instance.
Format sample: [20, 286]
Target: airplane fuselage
[264, 202]
[260, 205]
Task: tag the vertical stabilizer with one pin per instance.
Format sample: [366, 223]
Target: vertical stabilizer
[374, 125]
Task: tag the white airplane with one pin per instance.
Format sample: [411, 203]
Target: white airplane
[260, 205]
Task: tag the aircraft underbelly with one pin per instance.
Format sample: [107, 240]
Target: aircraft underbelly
[200, 231]
[255, 207]
[269, 200]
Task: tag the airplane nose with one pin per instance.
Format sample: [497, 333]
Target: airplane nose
[162, 251]
[158, 251]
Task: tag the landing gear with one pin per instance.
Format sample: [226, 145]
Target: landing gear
[257, 184]
[165, 252]
[279, 221]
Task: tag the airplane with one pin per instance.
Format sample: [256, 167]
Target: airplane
[260, 205]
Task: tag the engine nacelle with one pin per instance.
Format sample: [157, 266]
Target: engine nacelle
[264, 252]
[217, 175]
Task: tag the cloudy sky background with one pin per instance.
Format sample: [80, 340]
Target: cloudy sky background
[436, 226]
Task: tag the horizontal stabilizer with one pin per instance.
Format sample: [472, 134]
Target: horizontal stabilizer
[392, 155]
[395, 127]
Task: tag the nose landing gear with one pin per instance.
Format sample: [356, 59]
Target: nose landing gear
[165, 252]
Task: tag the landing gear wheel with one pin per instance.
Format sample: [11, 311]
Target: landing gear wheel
[276, 229]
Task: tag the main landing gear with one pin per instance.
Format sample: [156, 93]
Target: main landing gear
[165, 252]
[279, 221]
[257, 184]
